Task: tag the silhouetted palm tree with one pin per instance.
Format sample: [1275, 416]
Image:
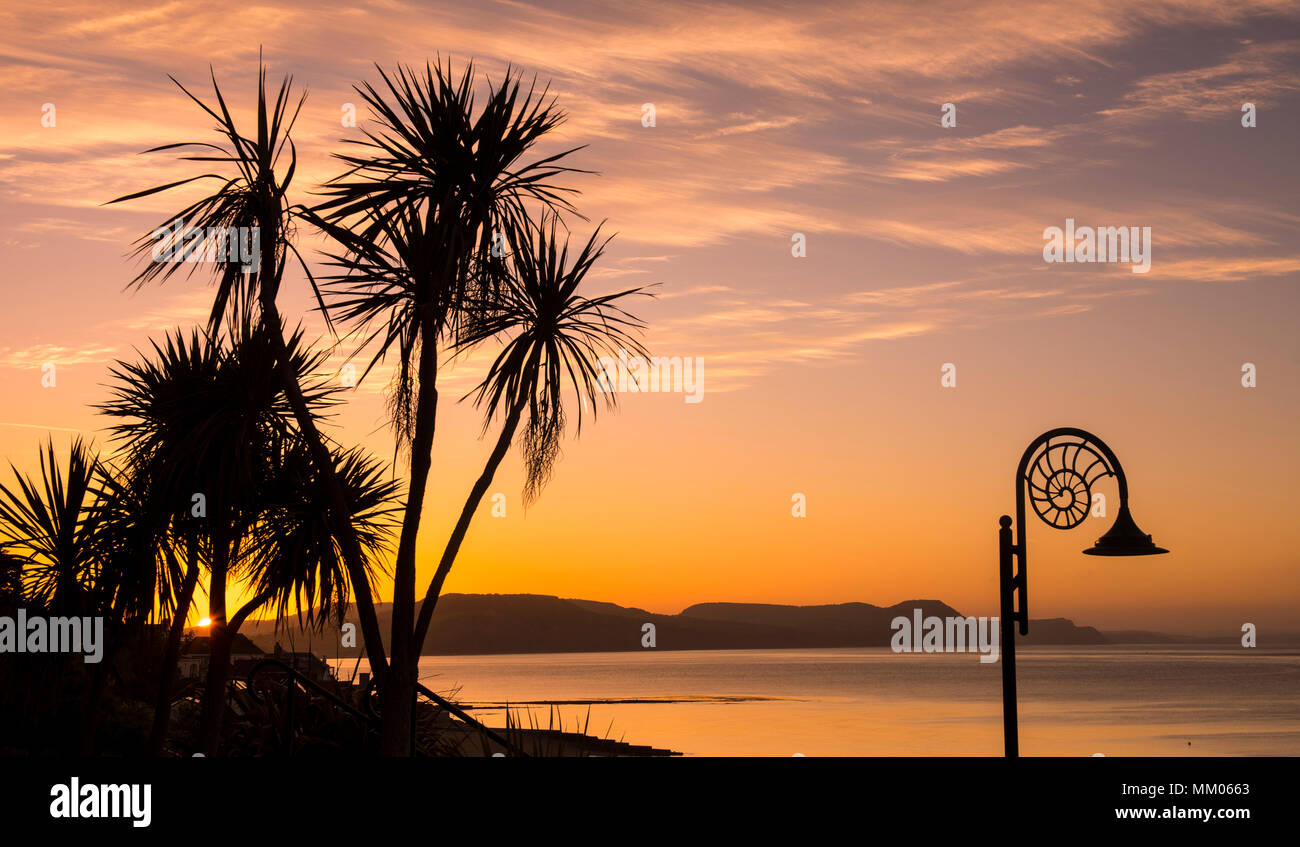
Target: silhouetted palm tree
[70, 552]
[53, 528]
[159, 441]
[211, 429]
[254, 194]
[435, 185]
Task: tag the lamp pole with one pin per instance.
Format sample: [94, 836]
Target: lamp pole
[1006, 551]
[1058, 470]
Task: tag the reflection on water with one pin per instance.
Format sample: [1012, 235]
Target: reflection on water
[1136, 700]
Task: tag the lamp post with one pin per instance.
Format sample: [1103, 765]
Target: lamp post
[1058, 470]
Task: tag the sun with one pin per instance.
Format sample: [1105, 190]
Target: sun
[205, 621]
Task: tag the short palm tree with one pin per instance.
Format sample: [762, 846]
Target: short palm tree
[190, 429]
[70, 551]
[52, 528]
[159, 439]
[210, 427]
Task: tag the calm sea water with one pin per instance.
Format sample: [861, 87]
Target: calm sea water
[1121, 701]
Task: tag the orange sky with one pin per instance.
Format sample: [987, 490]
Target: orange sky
[822, 374]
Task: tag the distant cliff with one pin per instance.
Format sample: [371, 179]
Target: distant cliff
[534, 623]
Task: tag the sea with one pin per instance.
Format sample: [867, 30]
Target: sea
[1117, 700]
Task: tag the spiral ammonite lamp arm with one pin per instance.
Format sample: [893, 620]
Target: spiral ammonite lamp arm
[1058, 471]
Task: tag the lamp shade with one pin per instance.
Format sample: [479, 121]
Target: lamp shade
[1124, 539]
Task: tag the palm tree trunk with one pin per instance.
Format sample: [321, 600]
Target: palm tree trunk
[214, 694]
[163, 705]
[98, 684]
[341, 521]
[214, 698]
[462, 525]
[219, 672]
[397, 696]
[238, 618]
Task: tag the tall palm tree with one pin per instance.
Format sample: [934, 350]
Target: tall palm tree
[431, 189]
[554, 339]
[253, 193]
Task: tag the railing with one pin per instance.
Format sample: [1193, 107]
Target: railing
[460, 713]
[367, 718]
[296, 678]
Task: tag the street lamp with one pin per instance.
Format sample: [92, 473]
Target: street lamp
[1058, 469]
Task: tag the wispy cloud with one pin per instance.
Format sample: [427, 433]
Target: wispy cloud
[1259, 73]
[824, 123]
[39, 355]
[1226, 268]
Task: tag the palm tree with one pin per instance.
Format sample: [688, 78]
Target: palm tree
[68, 551]
[555, 340]
[255, 195]
[433, 187]
[52, 528]
[160, 402]
[210, 425]
[430, 195]
[294, 558]
[135, 570]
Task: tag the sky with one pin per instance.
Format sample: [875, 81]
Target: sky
[816, 125]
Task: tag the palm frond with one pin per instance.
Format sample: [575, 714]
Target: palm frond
[251, 195]
[51, 527]
[436, 184]
[297, 558]
[553, 341]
